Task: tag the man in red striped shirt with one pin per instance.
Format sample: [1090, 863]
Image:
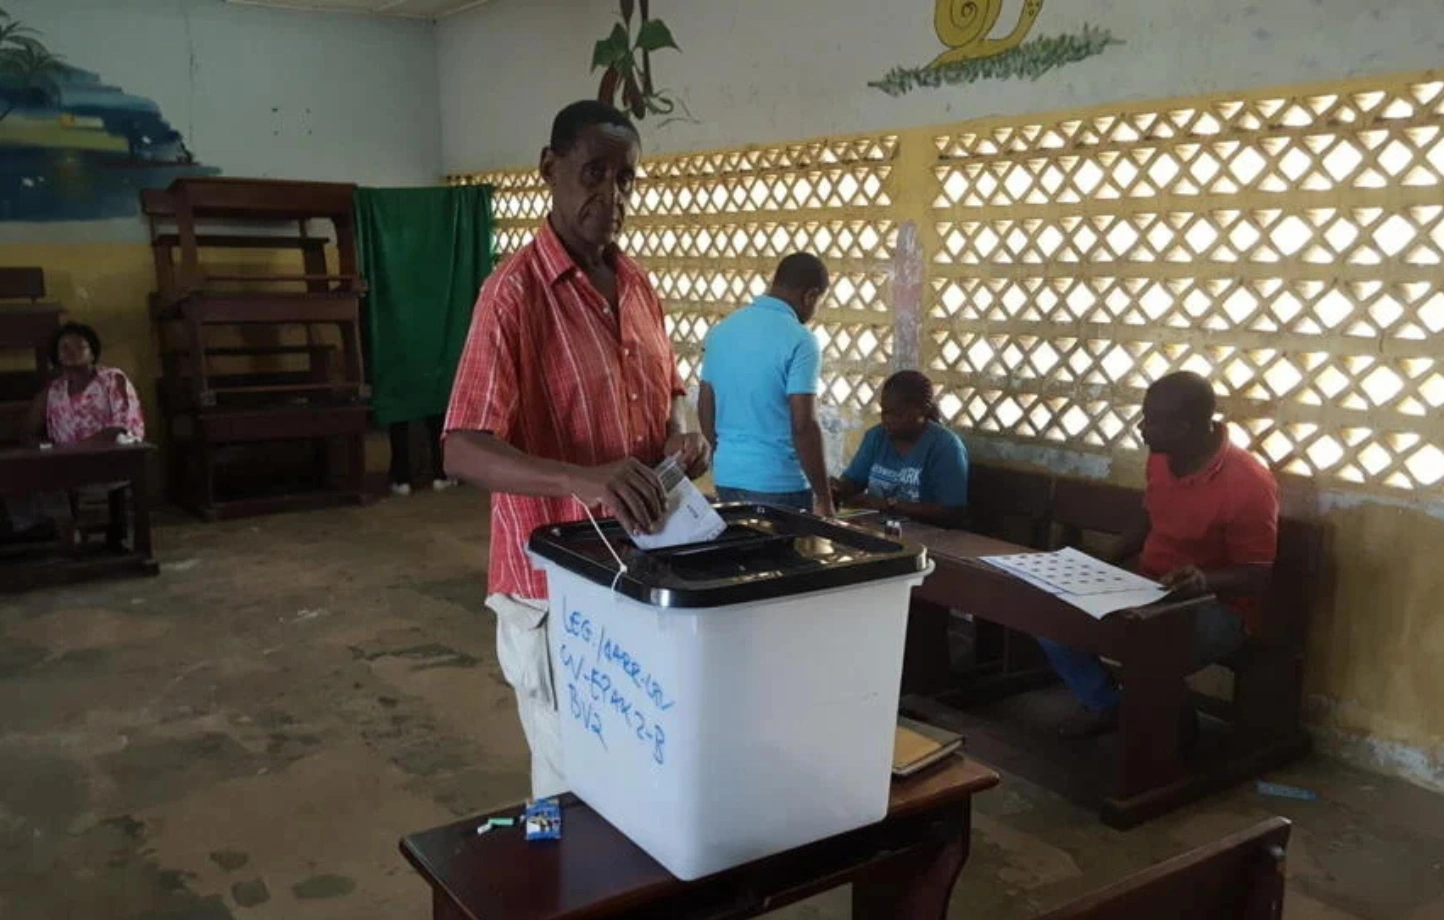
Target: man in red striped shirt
[566, 396]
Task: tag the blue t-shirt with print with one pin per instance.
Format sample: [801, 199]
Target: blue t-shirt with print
[935, 471]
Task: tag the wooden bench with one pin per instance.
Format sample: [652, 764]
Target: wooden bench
[240, 405]
[1014, 505]
[300, 371]
[26, 326]
[1011, 505]
[202, 481]
[192, 296]
[1267, 707]
[26, 283]
[1240, 877]
[1145, 776]
[902, 868]
[192, 200]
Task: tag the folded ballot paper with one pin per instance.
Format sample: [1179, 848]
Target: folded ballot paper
[690, 517]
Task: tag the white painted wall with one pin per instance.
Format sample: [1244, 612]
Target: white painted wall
[761, 70]
[258, 92]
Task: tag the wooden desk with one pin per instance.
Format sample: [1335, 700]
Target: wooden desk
[901, 869]
[26, 471]
[1153, 647]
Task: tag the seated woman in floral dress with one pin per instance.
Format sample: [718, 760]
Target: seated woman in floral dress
[86, 403]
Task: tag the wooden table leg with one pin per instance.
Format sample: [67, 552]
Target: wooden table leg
[1154, 694]
[927, 664]
[117, 528]
[140, 499]
[917, 886]
[442, 908]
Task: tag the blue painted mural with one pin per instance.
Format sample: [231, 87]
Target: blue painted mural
[71, 147]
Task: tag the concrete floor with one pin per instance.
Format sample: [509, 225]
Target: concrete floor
[248, 735]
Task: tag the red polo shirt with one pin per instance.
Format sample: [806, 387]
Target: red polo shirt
[549, 369]
[1224, 515]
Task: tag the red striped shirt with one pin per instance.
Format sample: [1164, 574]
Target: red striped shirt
[549, 369]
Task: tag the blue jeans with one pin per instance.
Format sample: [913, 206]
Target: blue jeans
[1217, 633]
[792, 501]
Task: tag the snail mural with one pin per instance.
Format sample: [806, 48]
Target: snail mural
[964, 26]
[975, 51]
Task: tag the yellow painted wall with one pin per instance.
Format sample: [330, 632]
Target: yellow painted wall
[1375, 652]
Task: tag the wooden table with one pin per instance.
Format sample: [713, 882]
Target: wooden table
[29, 470]
[903, 868]
[1153, 647]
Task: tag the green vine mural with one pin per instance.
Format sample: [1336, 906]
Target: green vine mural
[625, 59]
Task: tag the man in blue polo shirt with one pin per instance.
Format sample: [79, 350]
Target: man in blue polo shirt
[758, 404]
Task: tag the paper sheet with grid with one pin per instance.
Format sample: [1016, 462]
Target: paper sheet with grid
[1092, 586]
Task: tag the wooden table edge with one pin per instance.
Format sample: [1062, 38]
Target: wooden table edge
[978, 777]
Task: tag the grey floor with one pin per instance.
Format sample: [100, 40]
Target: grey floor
[249, 734]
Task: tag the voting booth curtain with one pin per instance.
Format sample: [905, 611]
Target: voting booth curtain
[424, 253]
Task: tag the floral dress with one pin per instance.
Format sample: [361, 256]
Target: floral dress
[109, 401]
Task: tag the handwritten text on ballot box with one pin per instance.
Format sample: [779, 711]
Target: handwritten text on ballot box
[610, 691]
[719, 736]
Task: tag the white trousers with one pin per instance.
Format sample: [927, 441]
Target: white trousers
[521, 649]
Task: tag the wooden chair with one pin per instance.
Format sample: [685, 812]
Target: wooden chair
[1269, 670]
[1238, 878]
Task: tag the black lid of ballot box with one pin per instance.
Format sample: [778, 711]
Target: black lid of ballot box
[764, 553]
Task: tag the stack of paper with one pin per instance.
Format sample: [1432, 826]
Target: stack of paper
[917, 746]
[1092, 586]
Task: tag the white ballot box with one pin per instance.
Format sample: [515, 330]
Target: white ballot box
[725, 701]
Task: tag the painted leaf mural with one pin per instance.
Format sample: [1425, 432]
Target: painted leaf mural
[625, 59]
[71, 147]
[969, 29]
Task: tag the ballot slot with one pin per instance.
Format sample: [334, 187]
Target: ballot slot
[761, 551]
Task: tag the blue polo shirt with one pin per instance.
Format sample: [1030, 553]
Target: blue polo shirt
[934, 471]
[753, 360]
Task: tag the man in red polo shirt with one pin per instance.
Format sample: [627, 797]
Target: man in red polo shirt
[566, 396]
[1209, 526]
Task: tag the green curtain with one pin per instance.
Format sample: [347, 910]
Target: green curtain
[424, 253]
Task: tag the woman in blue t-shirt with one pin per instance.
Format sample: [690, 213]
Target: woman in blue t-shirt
[910, 465]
